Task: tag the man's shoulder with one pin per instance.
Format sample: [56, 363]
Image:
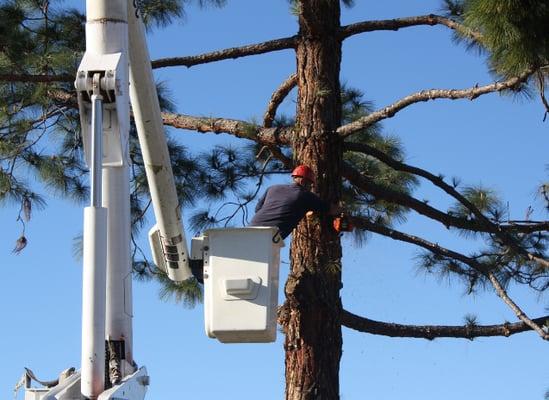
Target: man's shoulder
[280, 187]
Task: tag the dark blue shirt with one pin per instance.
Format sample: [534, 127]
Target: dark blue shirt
[284, 206]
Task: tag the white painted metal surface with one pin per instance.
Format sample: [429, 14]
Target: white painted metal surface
[119, 311]
[110, 67]
[241, 284]
[167, 237]
[68, 389]
[36, 394]
[96, 162]
[93, 301]
[94, 257]
[197, 248]
[132, 387]
[103, 74]
[107, 34]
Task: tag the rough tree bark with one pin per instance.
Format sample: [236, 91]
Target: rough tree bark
[313, 307]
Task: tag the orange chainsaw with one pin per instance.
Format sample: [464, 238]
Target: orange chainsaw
[342, 223]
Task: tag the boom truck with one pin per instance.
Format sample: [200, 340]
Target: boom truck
[240, 265]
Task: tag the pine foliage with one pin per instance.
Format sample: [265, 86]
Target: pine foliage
[514, 33]
[39, 123]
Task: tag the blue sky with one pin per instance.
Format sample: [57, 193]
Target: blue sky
[498, 141]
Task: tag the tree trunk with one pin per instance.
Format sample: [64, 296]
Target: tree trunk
[312, 311]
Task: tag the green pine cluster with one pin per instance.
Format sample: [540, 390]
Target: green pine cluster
[39, 144]
[515, 33]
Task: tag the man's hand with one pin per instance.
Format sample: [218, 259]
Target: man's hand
[335, 209]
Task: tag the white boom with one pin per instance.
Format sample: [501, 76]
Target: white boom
[94, 268]
[103, 88]
[103, 98]
[101, 84]
[167, 237]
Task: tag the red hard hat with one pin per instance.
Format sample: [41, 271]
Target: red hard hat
[304, 172]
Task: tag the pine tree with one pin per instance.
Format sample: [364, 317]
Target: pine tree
[335, 131]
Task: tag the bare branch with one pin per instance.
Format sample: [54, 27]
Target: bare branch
[516, 309]
[34, 124]
[36, 78]
[363, 223]
[399, 23]
[541, 81]
[479, 224]
[237, 128]
[441, 251]
[290, 42]
[432, 94]
[431, 332]
[234, 52]
[276, 99]
[268, 137]
[189, 61]
[526, 226]
[369, 186]
[450, 190]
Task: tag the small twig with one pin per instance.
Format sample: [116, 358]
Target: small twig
[516, 309]
[244, 206]
[541, 81]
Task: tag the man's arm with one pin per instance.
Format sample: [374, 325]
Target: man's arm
[318, 205]
[261, 201]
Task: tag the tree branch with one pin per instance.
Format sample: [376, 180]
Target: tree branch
[189, 61]
[24, 78]
[398, 23]
[276, 99]
[278, 96]
[441, 251]
[526, 226]
[269, 137]
[364, 223]
[541, 82]
[290, 42]
[516, 309]
[479, 224]
[234, 52]
[237, 128]
[432, 94]
[266, 47]
[450, 190]
[431, 332]
[369, 186]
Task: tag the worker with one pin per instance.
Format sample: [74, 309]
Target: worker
[283, 206]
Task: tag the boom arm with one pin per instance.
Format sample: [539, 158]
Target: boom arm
[167, 237]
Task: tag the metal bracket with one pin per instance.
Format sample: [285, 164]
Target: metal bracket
[110, 86]
[169, 255]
